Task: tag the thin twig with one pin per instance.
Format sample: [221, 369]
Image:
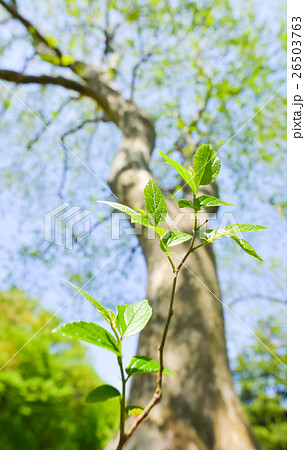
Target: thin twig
[158, 391]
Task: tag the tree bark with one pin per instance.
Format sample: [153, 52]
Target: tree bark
[199, 408]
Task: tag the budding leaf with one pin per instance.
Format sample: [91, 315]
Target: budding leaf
[133, 410]
[245, 246]
[206, 165]
[131, 319]
[208, 200]
[142, 364]
[172, 238]
[155, 203]
[106, 313]
[183, 172]
[102, 394]
[92, 333]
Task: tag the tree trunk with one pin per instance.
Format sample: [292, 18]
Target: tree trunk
[199, 409]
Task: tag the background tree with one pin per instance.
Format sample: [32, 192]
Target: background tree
[262, 384]
[42, 390]
[197, 71]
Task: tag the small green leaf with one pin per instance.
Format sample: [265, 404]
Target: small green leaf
[102, 394]
[206, 165]
[209, 200]
[66, 60]
[201, 158]
[141, 211]
[90, 332]
[245, 246]
[139, 218]
[207, 235]
[131, 319]
[172, 238]
[50, 58]
[135, 216]
[183, 172]
[243, 227]
[155, 203]
[164, 248]
[183, 203]
[123, 208]
[133, 410]
[142, 364]
[106, 313]
[51, 40]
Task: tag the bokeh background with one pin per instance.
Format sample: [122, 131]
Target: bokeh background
[206, 72]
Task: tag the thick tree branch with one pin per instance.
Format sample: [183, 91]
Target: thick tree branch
[58, 80]
[258, 296]
[44, 46]
[37, 36]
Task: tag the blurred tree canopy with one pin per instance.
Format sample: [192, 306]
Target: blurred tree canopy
[261, 381]
[42, 389]
[190, 71]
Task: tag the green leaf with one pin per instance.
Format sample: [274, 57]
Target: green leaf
[155, 203]
[123, 208]
[172, 238]
[207, 235]
[50, 58]
[133, 410]
[102, 394]
[206, 165]
[208, 200]
[66, 60]
[92, 333]
[106, 313]
[201, 157]
[245, 246]
[141, 211]
[131, 319]
[164, 248]
[139, 218]
[135, 216]
[243, 227]
[183, 172]
[183, 203]
[142, 364]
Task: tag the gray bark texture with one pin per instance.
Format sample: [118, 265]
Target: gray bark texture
[199, 408]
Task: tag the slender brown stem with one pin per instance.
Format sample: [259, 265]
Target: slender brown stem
[158, 391]
[123, 397]
[198, 246]
[122, 401]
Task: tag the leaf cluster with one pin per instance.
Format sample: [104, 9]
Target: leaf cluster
[127, 321]
[204, 171]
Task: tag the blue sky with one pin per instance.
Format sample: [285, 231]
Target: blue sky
[30, 184]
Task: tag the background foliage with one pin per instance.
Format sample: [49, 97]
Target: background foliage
[202, 70]
[42, 390]
[261, 382]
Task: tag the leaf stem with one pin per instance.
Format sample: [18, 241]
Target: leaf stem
[158, 391]
[122, 401]
[171, 263]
